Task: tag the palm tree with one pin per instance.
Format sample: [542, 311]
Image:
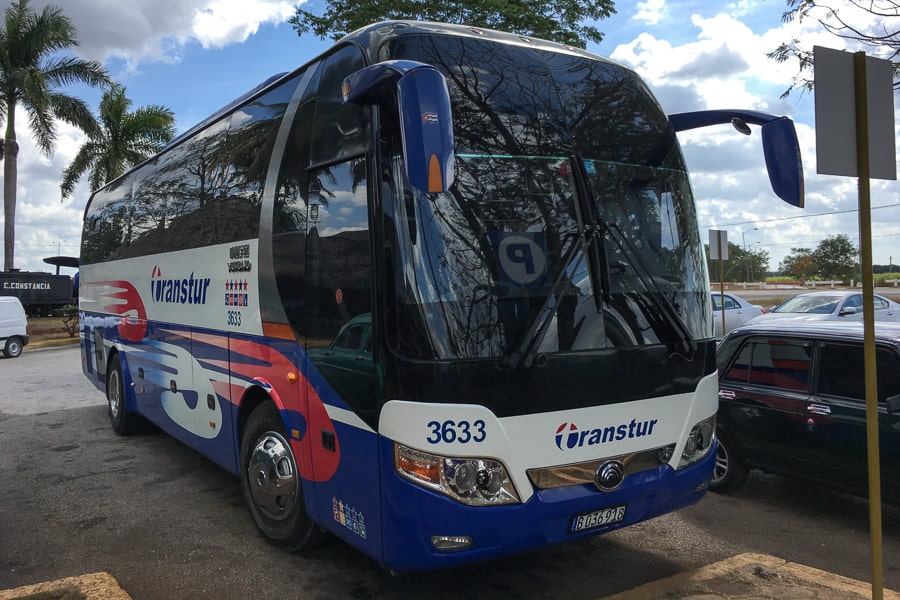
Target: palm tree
[120, 140]
[30, 76]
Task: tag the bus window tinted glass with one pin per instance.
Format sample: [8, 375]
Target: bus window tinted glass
[251, 137]
[338, 283]
[341, 129]
[290, 210]
[106, 225]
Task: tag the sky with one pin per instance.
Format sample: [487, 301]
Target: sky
[195, 56]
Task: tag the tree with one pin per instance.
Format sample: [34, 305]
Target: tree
[29, 77]
[742, 265]
[555, 20]
[799, 264]
[119, 140]
[866, 24]
[837, 258]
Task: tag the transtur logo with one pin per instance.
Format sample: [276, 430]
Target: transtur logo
[568, 436]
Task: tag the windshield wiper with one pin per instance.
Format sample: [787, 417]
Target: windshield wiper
[656, 294]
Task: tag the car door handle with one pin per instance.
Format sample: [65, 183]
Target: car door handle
[727, 394]
[819, 409]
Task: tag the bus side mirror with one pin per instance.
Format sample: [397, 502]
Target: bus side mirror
[782, 152]
[426, 123]
[779, 140]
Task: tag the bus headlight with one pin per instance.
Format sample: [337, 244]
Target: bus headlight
[472, 481]
[699, 442]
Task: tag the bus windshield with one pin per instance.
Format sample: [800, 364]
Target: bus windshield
[570, 226]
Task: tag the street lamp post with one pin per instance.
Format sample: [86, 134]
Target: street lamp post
[746, 261]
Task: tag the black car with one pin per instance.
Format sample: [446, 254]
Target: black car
[792, 402]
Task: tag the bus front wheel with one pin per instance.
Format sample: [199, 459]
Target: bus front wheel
[123, 422]
[271, 483]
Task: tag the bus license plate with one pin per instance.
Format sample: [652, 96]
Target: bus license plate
[597, 518]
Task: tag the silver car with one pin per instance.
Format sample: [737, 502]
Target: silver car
[737, 312]
[834, 305]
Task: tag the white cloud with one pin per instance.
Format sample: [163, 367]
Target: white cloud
[650, 11]
[225, 22]
[139, 31]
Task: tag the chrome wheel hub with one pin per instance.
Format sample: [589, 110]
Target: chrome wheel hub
[272, 475]
[114, 393]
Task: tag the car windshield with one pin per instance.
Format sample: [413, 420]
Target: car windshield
[818, 305]
[570, 226]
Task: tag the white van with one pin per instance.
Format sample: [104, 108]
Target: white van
[13, 326]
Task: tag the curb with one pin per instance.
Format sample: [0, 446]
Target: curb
[753, 577]
[95, 586]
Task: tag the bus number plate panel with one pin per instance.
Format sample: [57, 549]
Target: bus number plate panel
[597, 518]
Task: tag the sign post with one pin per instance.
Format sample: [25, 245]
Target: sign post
[863, 147]
[718, 249]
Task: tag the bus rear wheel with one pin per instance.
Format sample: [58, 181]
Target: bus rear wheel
[123, 422]
[271, 483]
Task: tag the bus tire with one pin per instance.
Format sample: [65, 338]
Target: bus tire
[729, 473]
[271, 483]
[13, 347]
[123, 422]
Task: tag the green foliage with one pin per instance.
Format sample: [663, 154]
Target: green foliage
[799, 264]
[742, 265]
[870, 26]
[835, 258]
[69, 316]
[555, 20]
[119, 140]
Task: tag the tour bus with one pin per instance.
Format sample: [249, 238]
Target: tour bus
[440, 293]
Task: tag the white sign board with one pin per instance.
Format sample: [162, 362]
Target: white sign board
[836, 115]
[718, 244]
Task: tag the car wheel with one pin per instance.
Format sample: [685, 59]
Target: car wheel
[271, 483]
[123, 422]
[13, 347]
[729, 473]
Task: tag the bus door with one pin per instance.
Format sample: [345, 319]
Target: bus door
[341, 371]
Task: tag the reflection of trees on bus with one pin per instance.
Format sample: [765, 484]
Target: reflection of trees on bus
[205, 190]
[575, 157]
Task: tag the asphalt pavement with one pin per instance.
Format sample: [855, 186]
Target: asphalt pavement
[744, 577]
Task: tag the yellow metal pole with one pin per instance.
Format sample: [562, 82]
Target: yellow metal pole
[865, 238]
[721, 280]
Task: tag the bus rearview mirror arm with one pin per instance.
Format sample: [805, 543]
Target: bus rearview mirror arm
[780, 146]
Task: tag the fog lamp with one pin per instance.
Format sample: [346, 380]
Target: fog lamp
[451, 543]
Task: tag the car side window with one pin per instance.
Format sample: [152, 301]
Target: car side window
[783, 364]
[842, 372]
[730, 303]
[739, 371]
[352, 338]
[879, 303]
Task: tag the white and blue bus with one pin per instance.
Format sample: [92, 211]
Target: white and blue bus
[440, 293]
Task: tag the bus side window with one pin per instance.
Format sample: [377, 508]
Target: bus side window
[289, 216]
[341, 130]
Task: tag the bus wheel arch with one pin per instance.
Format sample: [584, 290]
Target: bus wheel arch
[270, 479]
